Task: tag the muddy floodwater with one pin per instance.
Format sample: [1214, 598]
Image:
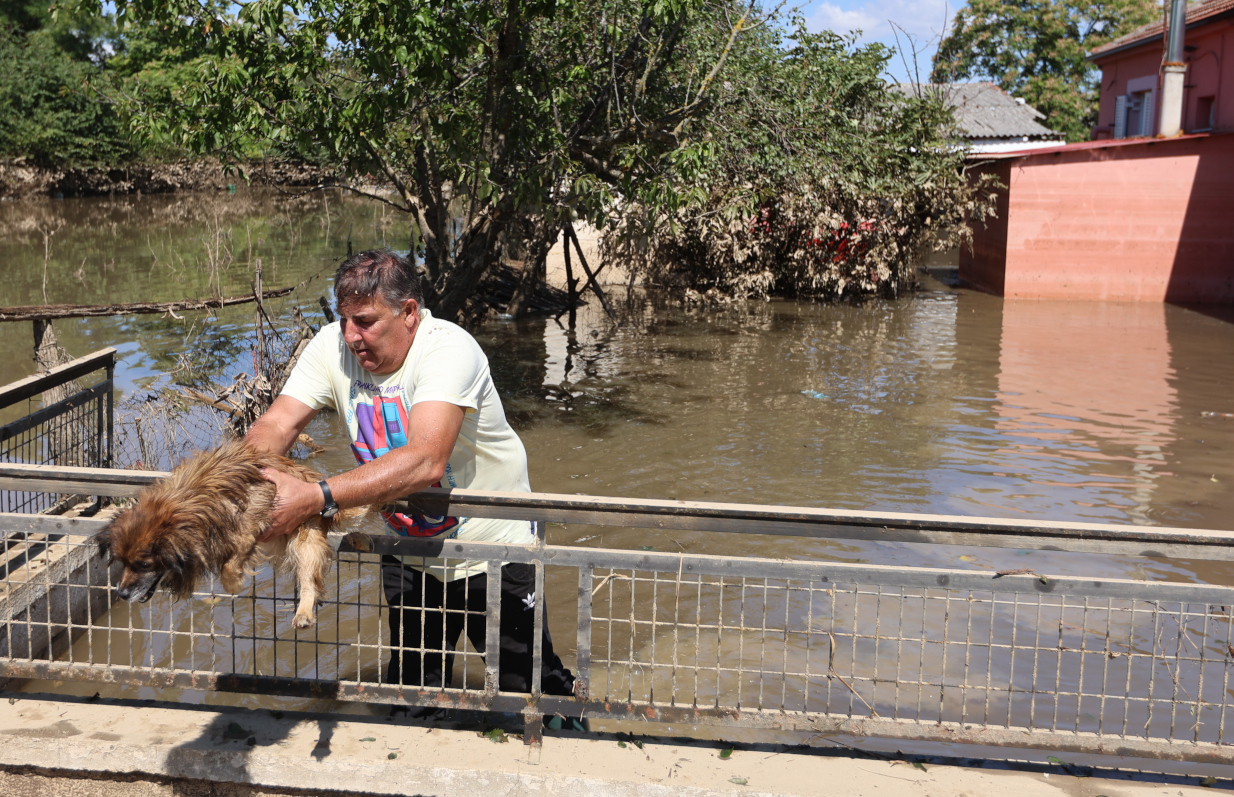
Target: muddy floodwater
[947, 401]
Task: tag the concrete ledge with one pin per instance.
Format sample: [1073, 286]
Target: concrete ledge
[49, 747]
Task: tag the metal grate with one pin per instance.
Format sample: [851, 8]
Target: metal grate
[1119, 667]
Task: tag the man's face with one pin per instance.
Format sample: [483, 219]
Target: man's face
[379, 335]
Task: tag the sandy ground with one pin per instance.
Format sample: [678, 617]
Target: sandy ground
[589, 239]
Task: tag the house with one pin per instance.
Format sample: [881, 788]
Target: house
[990, 119]
[1130, 75]
[1143, 213]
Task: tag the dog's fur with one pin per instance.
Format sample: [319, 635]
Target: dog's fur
[206, 516]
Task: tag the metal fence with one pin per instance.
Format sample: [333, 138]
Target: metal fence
[75, 429]
[1022, 660]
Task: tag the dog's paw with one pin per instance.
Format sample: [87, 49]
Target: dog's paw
[303, 620]
[359, 541]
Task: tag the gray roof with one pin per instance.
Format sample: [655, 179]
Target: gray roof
[983, 110]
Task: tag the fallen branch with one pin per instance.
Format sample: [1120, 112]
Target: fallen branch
[46, 312]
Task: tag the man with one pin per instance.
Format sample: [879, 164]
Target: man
[421, 410]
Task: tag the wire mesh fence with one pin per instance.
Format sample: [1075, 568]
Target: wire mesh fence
[1122, 667]
[1057, 663]
[72, 431]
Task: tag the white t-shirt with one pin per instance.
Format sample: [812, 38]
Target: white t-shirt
[444, 364]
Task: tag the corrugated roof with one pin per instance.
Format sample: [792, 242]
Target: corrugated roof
[983, 110]
[1196, 12]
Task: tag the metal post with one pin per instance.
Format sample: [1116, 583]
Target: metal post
[492, 632]
[533, 719]
[582, 675]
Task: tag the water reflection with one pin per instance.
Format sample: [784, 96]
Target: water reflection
[1085, 397]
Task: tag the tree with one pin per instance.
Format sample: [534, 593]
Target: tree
[51, 115]
[1036, 49]
[824, 181]
[494, 120]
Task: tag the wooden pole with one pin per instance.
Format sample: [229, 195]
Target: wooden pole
[47, 312]
[592, 282]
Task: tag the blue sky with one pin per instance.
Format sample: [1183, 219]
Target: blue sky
[924, 20]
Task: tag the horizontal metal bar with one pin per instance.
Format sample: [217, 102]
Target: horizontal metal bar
[731, 566]
[815, 571]
[739, 518]
[694, 564]
[53, 411]
[818, 724]
[91, 481]
[34, 385]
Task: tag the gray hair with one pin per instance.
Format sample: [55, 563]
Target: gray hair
[377, 273]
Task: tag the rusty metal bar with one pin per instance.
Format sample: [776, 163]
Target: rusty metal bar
[32, 386]
[582, 675]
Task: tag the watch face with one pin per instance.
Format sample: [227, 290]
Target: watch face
[330, 511]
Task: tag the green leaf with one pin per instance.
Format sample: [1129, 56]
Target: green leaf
[392, 756]
[738, 781]
[726, 752]
[919, 765]
[1054, 760]
[497, 735]
[369, 739]
[621, 744]
[1208, 781]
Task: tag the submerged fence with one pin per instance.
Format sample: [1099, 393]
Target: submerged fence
[1024, 659]
[73, 425]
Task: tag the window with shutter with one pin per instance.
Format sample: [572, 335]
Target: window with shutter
[1120, 116]
[1147, 107]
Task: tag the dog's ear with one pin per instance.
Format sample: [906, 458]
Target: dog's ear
[180, 569]
[170, 559]
[102, 541]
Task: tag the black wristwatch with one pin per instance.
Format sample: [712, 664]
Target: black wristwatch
[331, 508]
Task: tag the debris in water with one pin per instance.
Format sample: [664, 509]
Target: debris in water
[1019, 571]
[1217, 414]
[814, 394]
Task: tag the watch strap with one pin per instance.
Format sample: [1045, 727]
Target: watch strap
[331, 508]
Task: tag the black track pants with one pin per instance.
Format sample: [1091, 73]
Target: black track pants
[429, 635]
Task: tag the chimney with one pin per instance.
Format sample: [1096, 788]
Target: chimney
[1173, 72]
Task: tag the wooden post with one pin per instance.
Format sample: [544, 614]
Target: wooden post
[64, 444]
[261, 330]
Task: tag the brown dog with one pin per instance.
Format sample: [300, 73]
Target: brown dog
[206, 516]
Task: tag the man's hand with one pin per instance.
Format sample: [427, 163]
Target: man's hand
[295, 502]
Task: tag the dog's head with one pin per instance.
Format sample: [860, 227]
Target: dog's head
[148, 540]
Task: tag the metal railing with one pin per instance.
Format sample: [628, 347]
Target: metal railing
[73, 430]
[1097, 666]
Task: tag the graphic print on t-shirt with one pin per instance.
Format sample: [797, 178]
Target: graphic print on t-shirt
[380, 427]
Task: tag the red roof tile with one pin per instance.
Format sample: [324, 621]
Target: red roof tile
[1195, 13]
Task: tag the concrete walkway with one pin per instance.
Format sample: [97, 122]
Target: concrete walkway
[51, 748]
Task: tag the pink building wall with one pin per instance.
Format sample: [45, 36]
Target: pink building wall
[1145, 220]
[1210, 74]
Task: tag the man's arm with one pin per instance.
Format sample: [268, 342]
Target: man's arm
[277, 429]
[433, 428]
